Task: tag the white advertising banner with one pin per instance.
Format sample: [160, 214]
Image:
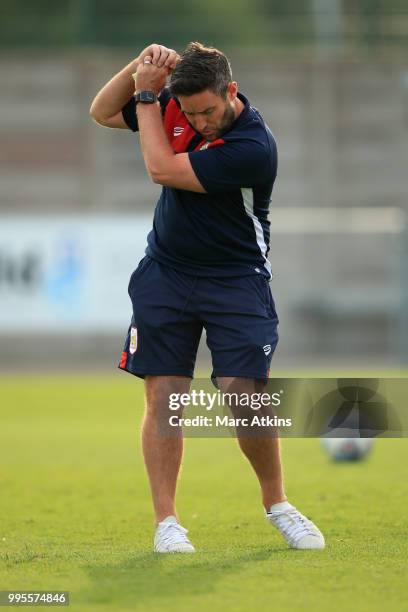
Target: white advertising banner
[71, 273]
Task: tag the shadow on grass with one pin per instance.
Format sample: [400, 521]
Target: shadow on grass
[149, 578]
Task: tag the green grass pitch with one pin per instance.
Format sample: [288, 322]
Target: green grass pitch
[76, 513]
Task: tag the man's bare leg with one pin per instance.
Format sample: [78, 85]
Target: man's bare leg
[264, 456]
[162, 454]
[262, 452]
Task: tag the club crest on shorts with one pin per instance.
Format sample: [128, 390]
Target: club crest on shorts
[133, 340]
[267, 349]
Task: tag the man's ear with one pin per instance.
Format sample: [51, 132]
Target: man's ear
[232, 90]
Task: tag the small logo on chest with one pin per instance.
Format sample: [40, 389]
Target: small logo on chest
[177, 131]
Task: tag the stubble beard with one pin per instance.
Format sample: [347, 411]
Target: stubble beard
[226, 122]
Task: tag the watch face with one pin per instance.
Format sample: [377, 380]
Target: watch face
[147, 96]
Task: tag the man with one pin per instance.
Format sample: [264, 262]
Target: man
[206, 261]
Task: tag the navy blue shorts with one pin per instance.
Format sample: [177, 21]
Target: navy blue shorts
[170, 310]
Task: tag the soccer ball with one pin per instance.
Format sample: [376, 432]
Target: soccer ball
[347, 449]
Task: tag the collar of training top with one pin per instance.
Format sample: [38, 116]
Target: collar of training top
[182, 134]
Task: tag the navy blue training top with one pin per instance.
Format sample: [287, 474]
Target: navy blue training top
[224, 232]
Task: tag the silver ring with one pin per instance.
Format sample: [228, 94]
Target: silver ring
[147, 61]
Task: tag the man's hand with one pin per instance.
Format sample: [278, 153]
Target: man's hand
[150, 77]
[160, 56]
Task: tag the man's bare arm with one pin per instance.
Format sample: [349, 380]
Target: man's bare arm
[163, 165]
[106, 108]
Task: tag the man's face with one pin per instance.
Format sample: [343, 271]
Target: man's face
[210, 114]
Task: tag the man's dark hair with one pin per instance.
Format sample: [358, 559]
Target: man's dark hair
[200, 68]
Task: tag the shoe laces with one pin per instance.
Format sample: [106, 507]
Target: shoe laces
[292, 523]
[173, 533]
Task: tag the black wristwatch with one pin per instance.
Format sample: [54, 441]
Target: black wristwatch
[146, 97]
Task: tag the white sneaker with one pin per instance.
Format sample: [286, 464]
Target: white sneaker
[171, 537]
[298, 531]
